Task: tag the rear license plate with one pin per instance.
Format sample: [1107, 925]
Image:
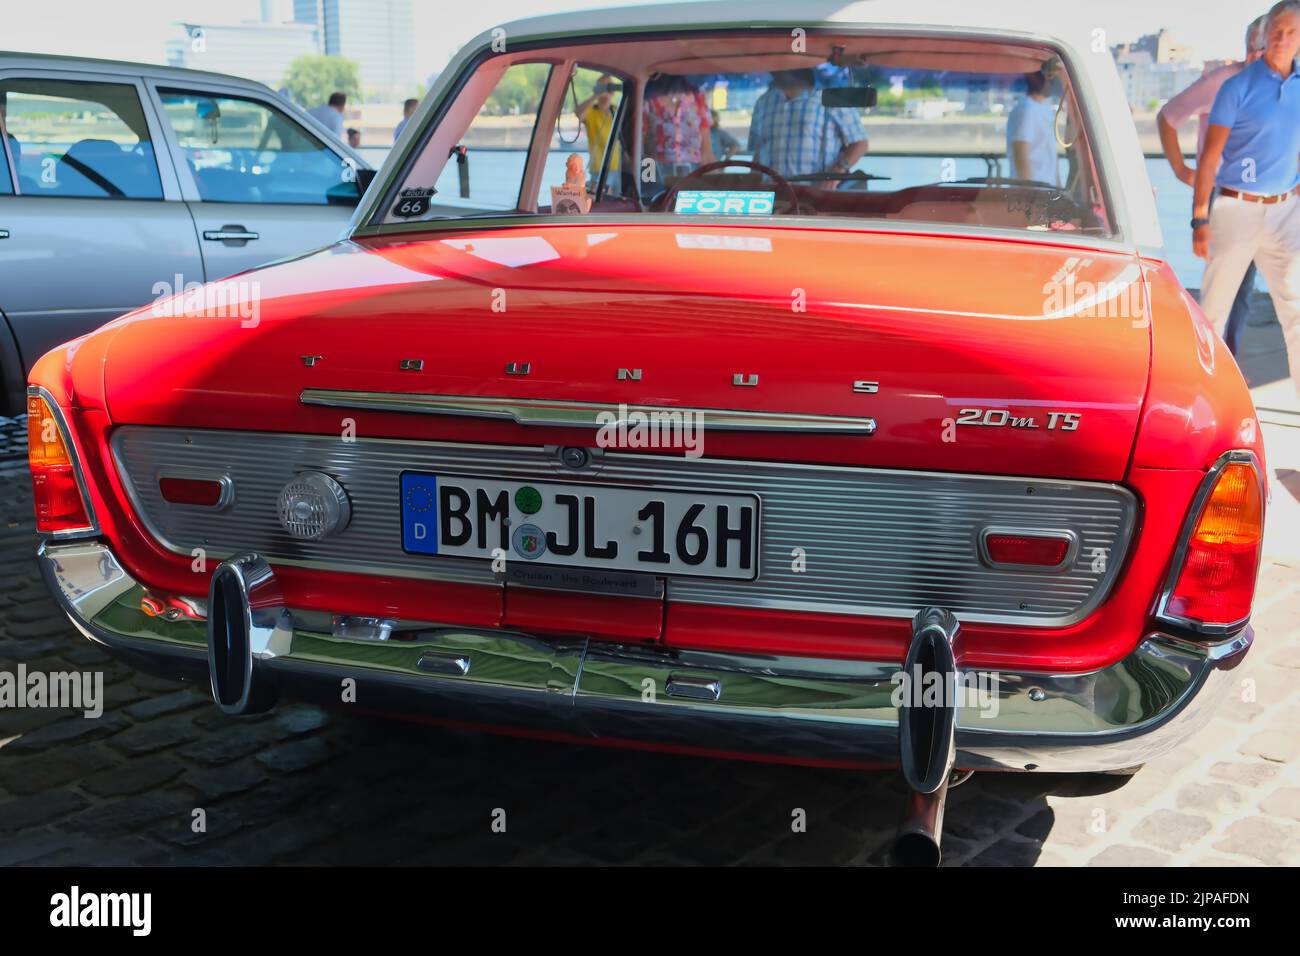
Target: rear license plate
[581, 525]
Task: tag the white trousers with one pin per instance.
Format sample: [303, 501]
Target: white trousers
[1270, 235]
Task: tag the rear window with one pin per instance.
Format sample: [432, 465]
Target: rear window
[842, 126]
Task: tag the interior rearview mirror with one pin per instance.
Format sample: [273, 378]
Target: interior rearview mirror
[861, 97]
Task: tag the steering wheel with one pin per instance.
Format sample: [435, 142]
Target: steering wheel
[776, 178]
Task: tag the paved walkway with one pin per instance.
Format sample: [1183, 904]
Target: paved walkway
[304, 786]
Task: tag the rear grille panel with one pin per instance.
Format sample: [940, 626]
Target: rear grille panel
[874, 542]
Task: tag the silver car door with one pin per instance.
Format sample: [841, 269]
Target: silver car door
[261, 185]
[95, 226]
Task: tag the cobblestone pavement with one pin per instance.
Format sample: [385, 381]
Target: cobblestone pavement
[300, 785]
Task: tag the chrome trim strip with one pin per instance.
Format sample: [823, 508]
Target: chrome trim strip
[899, 540]
[1184, 543]
[74, 453]
[773, 705]
[561, 414]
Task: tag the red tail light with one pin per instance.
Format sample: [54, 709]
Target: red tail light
[1214, 583]
[191, 491]
[1028, 550]
[56, 489]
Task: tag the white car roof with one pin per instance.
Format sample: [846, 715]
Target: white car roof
[1086, 47]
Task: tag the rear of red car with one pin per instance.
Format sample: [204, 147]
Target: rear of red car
[954, 477]
[1011, 469]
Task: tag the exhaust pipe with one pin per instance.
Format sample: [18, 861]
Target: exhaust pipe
[927, 739]
[917, 840]
[247, 624]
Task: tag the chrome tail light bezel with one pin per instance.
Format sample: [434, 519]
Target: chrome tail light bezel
[1203, 491]
[70, 443]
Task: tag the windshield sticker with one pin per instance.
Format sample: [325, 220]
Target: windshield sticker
[724, 202]
[413, 201]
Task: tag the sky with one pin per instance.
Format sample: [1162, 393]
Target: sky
[139, 29]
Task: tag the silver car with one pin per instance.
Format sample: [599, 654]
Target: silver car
[124, 182]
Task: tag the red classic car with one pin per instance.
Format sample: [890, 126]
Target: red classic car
[835, 405]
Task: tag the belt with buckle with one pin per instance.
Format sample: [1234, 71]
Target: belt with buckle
[1255, 197]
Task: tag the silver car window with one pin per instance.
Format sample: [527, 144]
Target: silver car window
[83, 139]
[242, 150]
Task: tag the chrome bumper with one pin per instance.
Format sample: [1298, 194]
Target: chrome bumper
[763, 705]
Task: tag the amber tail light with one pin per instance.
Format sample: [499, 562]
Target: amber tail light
[56, 486]
[1213, 580]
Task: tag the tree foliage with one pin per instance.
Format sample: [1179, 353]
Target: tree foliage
[519, 90]
[311, 79]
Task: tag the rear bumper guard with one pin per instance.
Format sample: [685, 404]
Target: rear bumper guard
[748, 704]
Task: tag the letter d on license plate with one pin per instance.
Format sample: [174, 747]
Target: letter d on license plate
[581, 525]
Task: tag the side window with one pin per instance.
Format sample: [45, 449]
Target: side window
[73, 138]
[242, 150]
[585, 125]
[490, 171]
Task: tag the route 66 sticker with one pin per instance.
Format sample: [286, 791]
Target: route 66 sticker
[412, 202]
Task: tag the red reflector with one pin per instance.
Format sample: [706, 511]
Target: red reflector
[190, 491]
[1039, 551]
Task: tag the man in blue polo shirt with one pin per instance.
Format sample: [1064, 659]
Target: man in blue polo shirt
[1252, 161]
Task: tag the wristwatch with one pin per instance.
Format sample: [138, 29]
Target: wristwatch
[1198, 222]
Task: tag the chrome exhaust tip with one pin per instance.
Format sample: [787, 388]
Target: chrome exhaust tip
[927, 736]
[247, 624]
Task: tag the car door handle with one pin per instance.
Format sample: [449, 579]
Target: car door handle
[4, 233]
[228, 233]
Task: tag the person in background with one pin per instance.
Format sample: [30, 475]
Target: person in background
[596, 114]
[791, 131]
[354, 137]
[1250, 158]
[1196, 101]
[1031, 133]
[724, 144]
[675, 126]
[408, 110]
[331, 114]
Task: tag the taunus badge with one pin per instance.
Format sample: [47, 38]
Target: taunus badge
[411, 365]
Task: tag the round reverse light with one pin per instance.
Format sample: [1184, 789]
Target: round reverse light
[313, 505]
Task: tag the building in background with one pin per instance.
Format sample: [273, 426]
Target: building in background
[1153, 69]
[1162, 48]
[259, 51]
[377, 35]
